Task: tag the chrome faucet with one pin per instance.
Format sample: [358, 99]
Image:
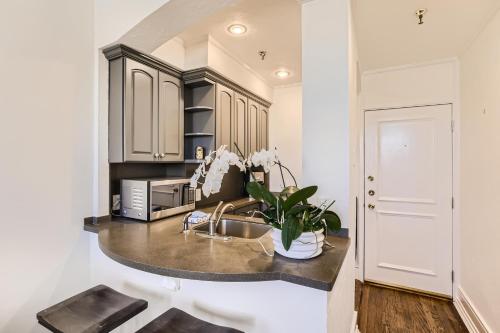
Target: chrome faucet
[214, 219]
[185, 222]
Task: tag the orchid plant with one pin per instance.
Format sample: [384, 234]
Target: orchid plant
[288, 211]
[216, 164]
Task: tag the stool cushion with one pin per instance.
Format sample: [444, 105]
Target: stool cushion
[178, 321]
[99, 309]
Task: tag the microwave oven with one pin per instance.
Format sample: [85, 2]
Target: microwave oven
[153, 198]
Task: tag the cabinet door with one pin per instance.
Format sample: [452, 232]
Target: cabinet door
[263, 128]
[141, 112]
[238, 127]
[224, 111]
[170, 118]
[253, 127]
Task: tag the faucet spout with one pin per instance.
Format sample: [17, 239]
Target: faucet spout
[212, 219]
[213, 222]
[222, 211]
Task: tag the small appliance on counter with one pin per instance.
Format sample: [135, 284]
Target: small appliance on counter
[150, 199]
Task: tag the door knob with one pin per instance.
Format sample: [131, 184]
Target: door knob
[371, 193]
[370, 178]
[371, 206]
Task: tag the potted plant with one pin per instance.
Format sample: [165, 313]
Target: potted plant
[299, 227]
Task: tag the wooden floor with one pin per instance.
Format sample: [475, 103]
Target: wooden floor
[387, 310]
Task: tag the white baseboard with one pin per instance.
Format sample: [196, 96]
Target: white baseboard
[354, 324]
[469, 314]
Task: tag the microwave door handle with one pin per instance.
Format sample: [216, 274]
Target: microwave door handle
[165, 192]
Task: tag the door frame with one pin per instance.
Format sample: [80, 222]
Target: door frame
[455, 116]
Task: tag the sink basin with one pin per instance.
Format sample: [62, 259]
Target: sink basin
[238, 229]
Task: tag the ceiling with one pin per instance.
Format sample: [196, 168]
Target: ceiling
[388, 33]
[273, 26]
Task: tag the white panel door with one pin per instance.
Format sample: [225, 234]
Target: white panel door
[408, 197]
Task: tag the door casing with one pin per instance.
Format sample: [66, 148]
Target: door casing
[360, 232]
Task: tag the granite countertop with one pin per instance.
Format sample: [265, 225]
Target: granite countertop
[160, 247]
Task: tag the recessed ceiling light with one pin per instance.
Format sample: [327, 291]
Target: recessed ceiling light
[282, 73]
[237, 29]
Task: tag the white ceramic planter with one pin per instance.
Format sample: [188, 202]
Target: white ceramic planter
[308, 245]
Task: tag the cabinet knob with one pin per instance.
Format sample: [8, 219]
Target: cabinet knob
[162, 155]
[371, 206]
[156, 155]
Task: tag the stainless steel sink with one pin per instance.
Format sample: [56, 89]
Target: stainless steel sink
[234, 228]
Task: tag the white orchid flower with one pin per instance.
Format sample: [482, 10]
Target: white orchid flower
[219, 162]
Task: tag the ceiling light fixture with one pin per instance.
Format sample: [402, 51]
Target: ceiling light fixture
[420, 15]
[237, 29]
[282, 73]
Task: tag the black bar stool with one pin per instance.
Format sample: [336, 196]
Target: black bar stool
[178, 321]
[99, 309]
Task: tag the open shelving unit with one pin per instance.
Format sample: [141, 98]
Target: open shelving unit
[199, 118]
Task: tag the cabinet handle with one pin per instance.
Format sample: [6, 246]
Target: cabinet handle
[156, 155]
[162, 155]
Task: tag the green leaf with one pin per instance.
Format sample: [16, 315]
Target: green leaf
[259, 192]
[296, 210]
[300, 196]
[320, 215]
[291, 230]
[332, 221]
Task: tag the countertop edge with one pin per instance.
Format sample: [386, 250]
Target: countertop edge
[228, 277]
[96, 225]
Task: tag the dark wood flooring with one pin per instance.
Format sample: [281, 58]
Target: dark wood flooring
[394, 311]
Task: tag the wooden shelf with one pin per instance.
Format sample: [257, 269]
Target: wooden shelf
[198, 134]
[198, 108]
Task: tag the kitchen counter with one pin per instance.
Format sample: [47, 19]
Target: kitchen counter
[160, 247]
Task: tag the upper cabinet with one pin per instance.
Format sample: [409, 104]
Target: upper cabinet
[146, 108]
[263, 132]
[171, 118]
[157, 113]
[239, 125]
[253, 126]
[224, 112]
[140, 112]
[241, 117]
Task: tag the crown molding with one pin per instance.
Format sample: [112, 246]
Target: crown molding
[121, 50]
[207, 73]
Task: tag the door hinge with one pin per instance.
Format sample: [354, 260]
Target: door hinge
[452, 126]
[452, 203]
[452, 276]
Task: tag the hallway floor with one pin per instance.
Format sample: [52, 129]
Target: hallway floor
[387, 310]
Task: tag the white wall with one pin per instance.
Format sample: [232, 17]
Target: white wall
[227, 64]
[411, 85]
[480, 180]
[325, 106]
[329, 112]
[207, 52]
[46, 95]
[285, 129]
[172, 52]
